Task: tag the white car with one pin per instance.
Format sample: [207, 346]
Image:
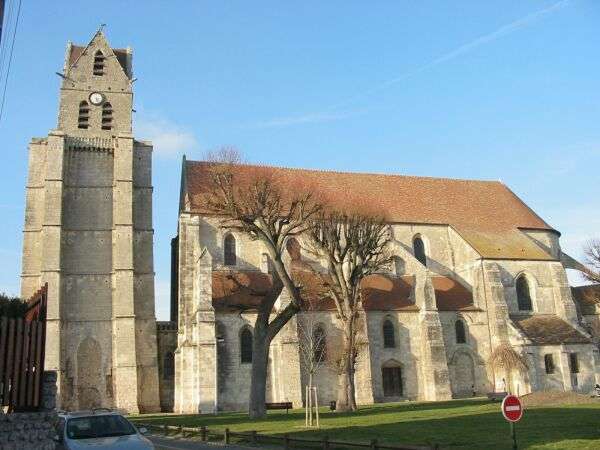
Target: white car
[99, 429]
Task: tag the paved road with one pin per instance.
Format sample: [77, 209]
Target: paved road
[166, 443]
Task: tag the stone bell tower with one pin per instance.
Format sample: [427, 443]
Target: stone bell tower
[88, 233]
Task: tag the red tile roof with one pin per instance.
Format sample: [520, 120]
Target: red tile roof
[487, 214]
[243, 290]
[549, 330]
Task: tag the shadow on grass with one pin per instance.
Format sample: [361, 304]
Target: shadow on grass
[465, 424]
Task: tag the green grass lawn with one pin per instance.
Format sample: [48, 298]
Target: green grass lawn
[458, 424]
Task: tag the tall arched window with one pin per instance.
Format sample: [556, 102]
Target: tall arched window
[419, 250]
[99, 63]
[319, 342]
[523, 294]
[549, 363]
[461, 334]
[169, 365]
[229, 250]
[246, 345]
[389, 338]
[83, 120]
[107, 117]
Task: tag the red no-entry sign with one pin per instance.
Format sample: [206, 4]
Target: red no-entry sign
[512, 409]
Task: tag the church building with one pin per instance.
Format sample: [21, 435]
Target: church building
[475, 270]
[88, 234]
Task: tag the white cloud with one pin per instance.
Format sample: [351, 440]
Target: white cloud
[169, 139]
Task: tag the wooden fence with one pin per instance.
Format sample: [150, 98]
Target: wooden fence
[287, 441]
[22, 343]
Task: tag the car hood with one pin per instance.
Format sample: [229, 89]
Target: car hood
[129, 442]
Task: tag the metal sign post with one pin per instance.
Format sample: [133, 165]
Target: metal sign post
[512, 410]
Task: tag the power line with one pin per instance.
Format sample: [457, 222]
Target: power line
[12, 47]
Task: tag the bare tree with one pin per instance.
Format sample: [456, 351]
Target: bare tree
[505, 358]
[313, 351]
[253, 201]
[592, 253]
[353, 247]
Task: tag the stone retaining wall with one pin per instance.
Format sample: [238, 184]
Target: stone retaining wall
[27, 431]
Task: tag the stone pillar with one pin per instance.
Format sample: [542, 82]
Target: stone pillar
[51, 237]
[363, 379]
[285, 350]
[565, 370]
[498, 309]
[196, 357]
[563, 300]
[125, 376]
[434, 366]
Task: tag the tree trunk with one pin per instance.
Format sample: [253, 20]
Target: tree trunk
[345, 396]
[258, 384]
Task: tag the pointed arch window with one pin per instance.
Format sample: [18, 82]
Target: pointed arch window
[460, 331]
[229, 250]
[83, 120]
[319, 344]
[419, 250]
[389, 338]
[523, 294]
[99, 63]
[246, 346]
[107, 116]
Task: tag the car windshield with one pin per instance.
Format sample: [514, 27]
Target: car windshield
[98, 426]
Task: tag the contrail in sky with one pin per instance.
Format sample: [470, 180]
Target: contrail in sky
[504, 30]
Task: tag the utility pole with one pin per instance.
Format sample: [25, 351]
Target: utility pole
[1, 18]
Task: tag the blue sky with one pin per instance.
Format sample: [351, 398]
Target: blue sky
[503, 90]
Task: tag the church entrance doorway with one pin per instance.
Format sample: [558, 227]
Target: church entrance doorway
[392, 381]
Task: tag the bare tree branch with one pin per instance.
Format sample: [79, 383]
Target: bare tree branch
[592, 253]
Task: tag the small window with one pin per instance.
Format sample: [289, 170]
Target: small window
[169, 365]
[319, 344]
[229, 250]
[83, 120]
[419, 250]
[523, 294]
[246, 346]
[389, 339]
[461, 334]
[549, 363]
[107, 116]
[573, 363]
[392, 381]
[99, 63]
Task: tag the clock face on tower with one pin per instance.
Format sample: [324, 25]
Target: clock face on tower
[96, 98]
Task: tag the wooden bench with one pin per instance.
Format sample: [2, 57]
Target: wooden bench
[280, 405]
[496, 396]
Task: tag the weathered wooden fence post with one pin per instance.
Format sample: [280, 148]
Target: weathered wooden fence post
[226, 436]
[181, 431]
[254, 437]
[203, 433]
[165, 430]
